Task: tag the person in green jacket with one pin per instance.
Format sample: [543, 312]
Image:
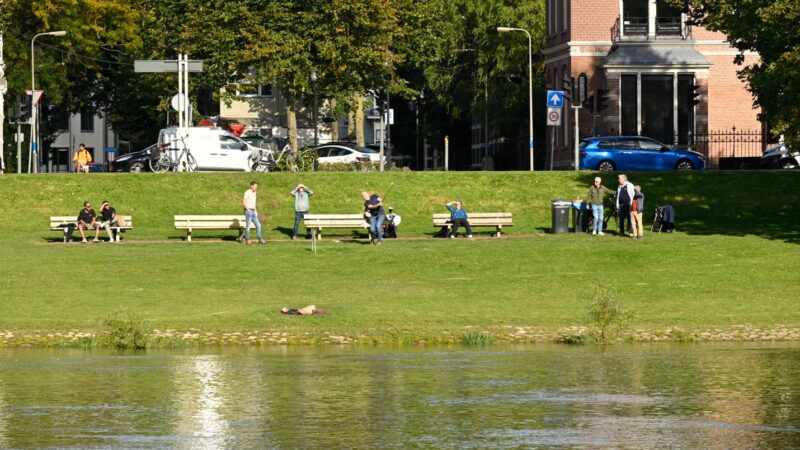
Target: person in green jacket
[302, 205]
[596, 192]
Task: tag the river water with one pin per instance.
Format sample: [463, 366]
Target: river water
[639, 396]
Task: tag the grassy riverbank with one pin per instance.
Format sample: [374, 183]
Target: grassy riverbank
[735, 260]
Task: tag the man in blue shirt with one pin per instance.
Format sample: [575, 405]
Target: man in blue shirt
[458, 217]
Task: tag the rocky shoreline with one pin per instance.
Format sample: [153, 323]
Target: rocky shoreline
[168, 338]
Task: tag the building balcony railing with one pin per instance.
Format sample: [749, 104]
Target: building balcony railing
[639, 28]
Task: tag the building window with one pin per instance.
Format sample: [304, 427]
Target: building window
[87, 119]
[685, 109]
[630, 101]
[254, 90]
[658, 114]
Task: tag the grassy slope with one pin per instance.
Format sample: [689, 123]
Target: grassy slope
[735, 260]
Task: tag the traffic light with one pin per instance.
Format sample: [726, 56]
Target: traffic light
[602, 99]
[583, 81]
[205, 101]
[694, 93]
[25, 107]
[567, 85]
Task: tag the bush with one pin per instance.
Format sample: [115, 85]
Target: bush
[473, 338]
[126, 331]
[608, 317]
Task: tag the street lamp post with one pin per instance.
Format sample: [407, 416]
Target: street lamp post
[530, 85]
[34, 151]
[315, 118]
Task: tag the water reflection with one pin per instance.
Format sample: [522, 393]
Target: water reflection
[732, 396]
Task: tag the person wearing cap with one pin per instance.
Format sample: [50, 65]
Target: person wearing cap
[458, 216]
[596, 192]
[302, 205]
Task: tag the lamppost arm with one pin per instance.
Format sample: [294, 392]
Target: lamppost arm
[530, 85]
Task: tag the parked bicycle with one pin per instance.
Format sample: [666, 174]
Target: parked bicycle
[161, 159]
[286, 160]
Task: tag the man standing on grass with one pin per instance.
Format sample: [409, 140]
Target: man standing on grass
[87, 220]
[302, 204]
[250, 214]
[596, 192]
[624, 199]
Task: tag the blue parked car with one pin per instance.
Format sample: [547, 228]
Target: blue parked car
[635, 153]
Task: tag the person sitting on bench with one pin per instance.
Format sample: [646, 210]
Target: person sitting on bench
[458, 217]
[87, 220]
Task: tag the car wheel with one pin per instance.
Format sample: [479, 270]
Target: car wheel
[136, 167]
[684, 165]
[789, 164]
[606, 166]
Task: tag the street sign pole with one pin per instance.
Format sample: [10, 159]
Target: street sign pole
[555, 107]
[577, 131]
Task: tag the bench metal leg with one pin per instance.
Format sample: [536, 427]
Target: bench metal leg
[499, 229]
[189, 235]
[65, 236]
[319, 234]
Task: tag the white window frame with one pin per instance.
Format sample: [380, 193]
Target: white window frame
[262, 90]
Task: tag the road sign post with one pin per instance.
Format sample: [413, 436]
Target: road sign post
[183, 65]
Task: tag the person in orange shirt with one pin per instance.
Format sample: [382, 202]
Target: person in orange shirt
[82, 159]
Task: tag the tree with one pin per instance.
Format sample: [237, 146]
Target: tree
[69, 69]
[770, 28]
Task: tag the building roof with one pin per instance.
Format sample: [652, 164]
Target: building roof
[655, 55]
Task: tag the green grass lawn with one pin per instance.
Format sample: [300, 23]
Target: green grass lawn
[735, 259]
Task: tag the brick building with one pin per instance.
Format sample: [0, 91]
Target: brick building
[647, 68]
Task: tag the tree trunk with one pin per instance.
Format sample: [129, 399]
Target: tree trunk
[359, 119]
[334, 124]
[291, 116]
[351, 126]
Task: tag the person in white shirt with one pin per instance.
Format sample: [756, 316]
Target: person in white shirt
[625, 195]
[250, 213]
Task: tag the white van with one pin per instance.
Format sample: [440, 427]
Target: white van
[213, 149]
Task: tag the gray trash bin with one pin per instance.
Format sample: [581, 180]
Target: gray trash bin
[560, 216]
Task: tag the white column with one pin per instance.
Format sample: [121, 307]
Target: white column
[651, 18]
[675, 108]
[639, 103]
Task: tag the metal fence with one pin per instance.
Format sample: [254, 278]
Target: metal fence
[731, 149]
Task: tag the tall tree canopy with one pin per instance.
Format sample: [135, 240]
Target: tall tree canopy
[772, 29]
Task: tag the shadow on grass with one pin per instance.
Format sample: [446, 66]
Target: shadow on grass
[725, 203]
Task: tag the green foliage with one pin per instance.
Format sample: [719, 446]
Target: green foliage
[771, 28]
[126, 330]
[302, 161]
[606, 314]
[475, 338]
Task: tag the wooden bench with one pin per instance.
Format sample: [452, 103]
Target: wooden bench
[497, 220]
[62, 223]
[315, 223]
[190, 223]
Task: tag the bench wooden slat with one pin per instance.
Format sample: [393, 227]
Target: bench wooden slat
[210, 225]
[210, 218]
[333, 216]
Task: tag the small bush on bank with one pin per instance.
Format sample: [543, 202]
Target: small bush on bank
[474, 338]
[126, 330]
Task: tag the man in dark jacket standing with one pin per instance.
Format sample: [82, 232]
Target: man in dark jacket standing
[625, 195]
